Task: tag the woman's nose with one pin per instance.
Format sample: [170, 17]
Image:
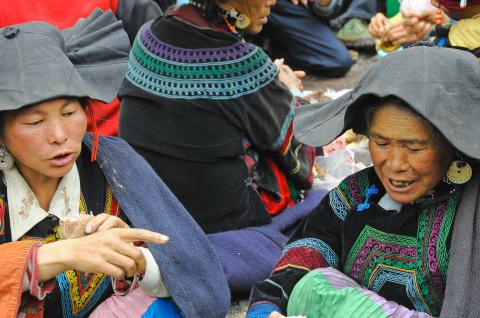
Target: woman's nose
[397, 159]
[56, 132]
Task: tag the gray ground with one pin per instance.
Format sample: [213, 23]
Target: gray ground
[318, 85]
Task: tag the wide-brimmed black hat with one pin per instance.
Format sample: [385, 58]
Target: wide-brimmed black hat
[38, 62]
[442, 85]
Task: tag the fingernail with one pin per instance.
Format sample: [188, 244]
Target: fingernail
[88, 228]
[164, 237]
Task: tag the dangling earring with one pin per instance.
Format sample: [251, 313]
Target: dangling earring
[241, 20]
[6, 159]
[459, 172]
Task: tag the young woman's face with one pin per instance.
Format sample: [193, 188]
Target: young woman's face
[260, 11]
[406, 156]
[45, 139]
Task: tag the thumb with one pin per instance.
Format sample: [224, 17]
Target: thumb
[299, 74]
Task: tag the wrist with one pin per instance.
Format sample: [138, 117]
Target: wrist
[52, 259]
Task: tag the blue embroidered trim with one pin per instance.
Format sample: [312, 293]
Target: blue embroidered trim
[262, 310]
[213, 80]
[407, 279]
[323, 248]
[286, 124]
[65, 292]
[338, 204]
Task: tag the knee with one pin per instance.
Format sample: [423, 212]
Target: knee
[340, 63]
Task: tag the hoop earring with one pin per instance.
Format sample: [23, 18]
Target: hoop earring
[6, 159]
[459, 172]
[242, 21]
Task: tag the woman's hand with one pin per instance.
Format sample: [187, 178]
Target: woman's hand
[103, 222]
[378, 25]
[414, 27]
[289, 77]
[109, 252]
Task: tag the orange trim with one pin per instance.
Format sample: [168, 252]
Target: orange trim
[12, 269]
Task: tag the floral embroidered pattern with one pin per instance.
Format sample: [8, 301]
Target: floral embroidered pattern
[66, 200]
[27, 204]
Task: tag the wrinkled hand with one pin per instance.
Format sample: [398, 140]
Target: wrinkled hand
[292, 79]
[378, 25]
[103, 222]
[414, 27]
[412, 18]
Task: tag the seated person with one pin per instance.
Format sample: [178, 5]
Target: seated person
[407, 26]
[209, 113]
[464, 31]
[302, 31]
[68, 199]
[398, 239]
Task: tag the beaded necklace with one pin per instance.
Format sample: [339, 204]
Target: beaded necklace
[231, 27]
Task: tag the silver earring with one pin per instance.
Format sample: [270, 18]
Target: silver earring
[6, 159]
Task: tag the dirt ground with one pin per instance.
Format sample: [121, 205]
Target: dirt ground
[317, 85]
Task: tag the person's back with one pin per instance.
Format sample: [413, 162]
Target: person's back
[205, 111]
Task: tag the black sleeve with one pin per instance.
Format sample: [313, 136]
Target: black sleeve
[266, 117]
[315, 244]
[134, 13]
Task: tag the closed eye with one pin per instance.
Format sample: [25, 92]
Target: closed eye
[69, 114]
[34, 123]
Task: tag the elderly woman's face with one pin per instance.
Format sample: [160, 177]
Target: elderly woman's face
[406, 156]
[45, 139]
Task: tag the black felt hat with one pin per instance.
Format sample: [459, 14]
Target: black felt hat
[442, 85]
[38, 62]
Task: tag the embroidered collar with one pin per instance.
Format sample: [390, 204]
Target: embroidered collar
[24, 209]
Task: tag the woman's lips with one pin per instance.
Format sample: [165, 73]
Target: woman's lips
[401, 186]
[61, 160]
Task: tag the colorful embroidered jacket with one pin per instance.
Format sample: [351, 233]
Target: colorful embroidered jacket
[209, 114]
[402, 256]
[75, 294]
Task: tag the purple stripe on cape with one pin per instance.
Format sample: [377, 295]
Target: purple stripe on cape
[182, 55]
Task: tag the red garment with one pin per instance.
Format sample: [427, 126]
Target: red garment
[63, 14]
[272, 204]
